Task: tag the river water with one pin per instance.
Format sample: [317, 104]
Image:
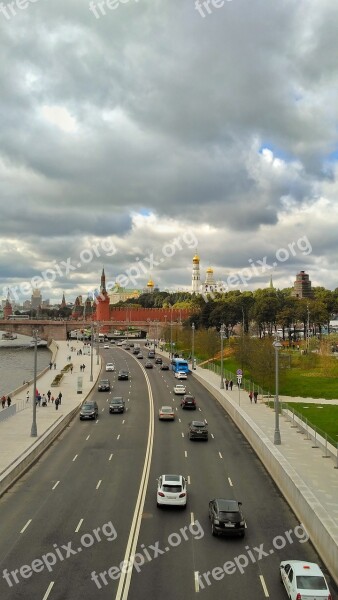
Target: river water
[17, 363]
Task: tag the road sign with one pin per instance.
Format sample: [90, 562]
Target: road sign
[239, 378]
[239, 372]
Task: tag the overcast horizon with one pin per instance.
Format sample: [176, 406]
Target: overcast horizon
[132, 140]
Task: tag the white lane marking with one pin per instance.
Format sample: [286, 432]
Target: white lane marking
[102, 410]
[182, 434]
[111, 456]
[79, 525]
[75, 457]
[265, 589]
[118, 437]
[179, 420]
[107, 400]
[192, 518]
[55, 485]
[188, 479]
[96, 421]
[197, 586]
[49, 589]
[212, 435]
[185, 454]
[220, 455]
[98, 484]
[88, 436]
[205, 421]
[25, 527]
[230, 482]
[123, 421]
[199, 410]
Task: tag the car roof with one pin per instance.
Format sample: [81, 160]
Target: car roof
[166, 408]
[301, 567]
[226, 505]
[116, 398]
[198, 423]
[172, 478]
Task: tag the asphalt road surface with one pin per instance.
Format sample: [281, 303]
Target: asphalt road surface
[83, 523]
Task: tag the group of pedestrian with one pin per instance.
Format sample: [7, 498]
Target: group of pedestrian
[82, 367]
[253, 396]
[228, 384]
[45, 399]
[52, 364]
[5, 401]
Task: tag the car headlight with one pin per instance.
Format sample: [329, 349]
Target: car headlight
[242, 523]
[216, 521]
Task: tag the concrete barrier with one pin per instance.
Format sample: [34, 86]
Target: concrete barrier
[321, 528]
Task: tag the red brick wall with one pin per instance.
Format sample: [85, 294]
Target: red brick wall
[121, 313]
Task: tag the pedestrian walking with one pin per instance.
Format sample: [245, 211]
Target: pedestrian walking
[50, 365]
[250, 396]
[3, 401]
[44, 400]
[49, 393]
[80, 367]
[9, 400]
[71, 369]
[60, 397]
[27, 397]
[57, 402]
[255, 395]
[52, 399]
[231, 383]
[54, 366]
[83, 367]
[39, 399]
[226, 384]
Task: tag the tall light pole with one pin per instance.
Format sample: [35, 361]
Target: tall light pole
[97, 343]
[277, 439]
[193, 347]
[91, 352]
[308, 329]
[34, 430]
[222, 332]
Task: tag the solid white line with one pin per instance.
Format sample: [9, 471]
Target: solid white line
[188, 479]
[185, 454]
[25, 527]
[88, 436]
[49, 589]
[79, 525]
[230, 482]
[118, 437]
[55, 484]
[220, 455]
[197, 587]
[111, 456]
[98, 484]
[192, 518]
[75, 457]
[265, 589]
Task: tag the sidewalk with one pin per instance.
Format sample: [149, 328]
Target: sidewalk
[15, 438]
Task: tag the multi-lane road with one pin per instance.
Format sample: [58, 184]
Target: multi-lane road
[83, 522]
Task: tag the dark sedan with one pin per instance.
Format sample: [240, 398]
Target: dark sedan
[104, 385]
[164, 367]
[123, 375]
[116, 405]
[226, 517]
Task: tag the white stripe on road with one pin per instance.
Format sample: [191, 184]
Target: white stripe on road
[185, 454]
[182, 434]
[98, 484]
[25, 527]
[230, 482]
[118, 437]
[220, 455]
[75, 457]
[79, 525]
[88, 436]
[212, 435]
[265, 589]
[49, 589]
[192, 518]
[55, 484]
[188, 478]
[111, 456]
[197, 586]
[123, 421]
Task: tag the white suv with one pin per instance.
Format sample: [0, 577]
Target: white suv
[181, 375]
[172, 490]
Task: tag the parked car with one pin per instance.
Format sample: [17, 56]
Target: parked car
[110, 367]
[188, 401]
[117, 405]
[164, 367]
[123, 375]
[89, 410]
[171, 491]
[303, 579]
[198, 430]
[149, 365]
[181, 375]
[179, 389]
[104, 385]
[158, 361]
[226, 517]
[166, 413]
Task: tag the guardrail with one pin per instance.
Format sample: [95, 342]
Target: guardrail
[14, 408]
[246, 384]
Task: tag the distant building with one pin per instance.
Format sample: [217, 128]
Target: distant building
[36, 299]
[302, 286]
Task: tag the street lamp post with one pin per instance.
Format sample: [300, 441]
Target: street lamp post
[193, 347]
[222, 332]
[34, 430]
[97, 343]
[277, 439]
[91, 352]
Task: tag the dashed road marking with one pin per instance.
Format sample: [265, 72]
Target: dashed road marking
[78, 525]
[75, 457]
[230, 482]
[25, 527]
[98, 484]
[220, 455]
[49, 589]
[265, 589]
[55, 485]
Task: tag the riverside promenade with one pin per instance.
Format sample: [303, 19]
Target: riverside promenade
[15, 431]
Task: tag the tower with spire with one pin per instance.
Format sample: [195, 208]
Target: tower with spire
[102, 301]
[196, 275]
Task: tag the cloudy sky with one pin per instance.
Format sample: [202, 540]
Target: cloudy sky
[134, 132]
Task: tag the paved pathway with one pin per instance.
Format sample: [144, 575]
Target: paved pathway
[15, 431]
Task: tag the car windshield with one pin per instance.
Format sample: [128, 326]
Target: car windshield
[88, 407]
[173, 489]
[166, 409]
[311, 582]
[116, 401]
[198, 425]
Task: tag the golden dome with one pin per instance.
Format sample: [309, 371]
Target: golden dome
[150, 283]
[210, 270]
[196, 259]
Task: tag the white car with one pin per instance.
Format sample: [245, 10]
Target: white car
[172, 490]
[181, 375]
[179, 389]
[110, 367]
[166, 413]
[304, 580]
[106, 347]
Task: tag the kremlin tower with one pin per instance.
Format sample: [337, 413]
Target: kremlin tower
[102, 301]
[196, 277]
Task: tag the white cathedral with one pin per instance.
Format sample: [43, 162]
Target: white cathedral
[209, 285]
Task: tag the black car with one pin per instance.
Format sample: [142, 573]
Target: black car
[131, 344]
[149, 365]
[164, 367]
[198, 430]
[104, 385]
[116, 405]
[158, 360]
[136, 351]
[226, 517]
[188, 401]
[89, 410]
[123, 375]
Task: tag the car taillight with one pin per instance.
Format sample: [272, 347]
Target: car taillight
[182, 495]
[329, 597]
[161, 494]
[299, 597]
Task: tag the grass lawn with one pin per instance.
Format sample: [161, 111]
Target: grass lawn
[325, 418]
